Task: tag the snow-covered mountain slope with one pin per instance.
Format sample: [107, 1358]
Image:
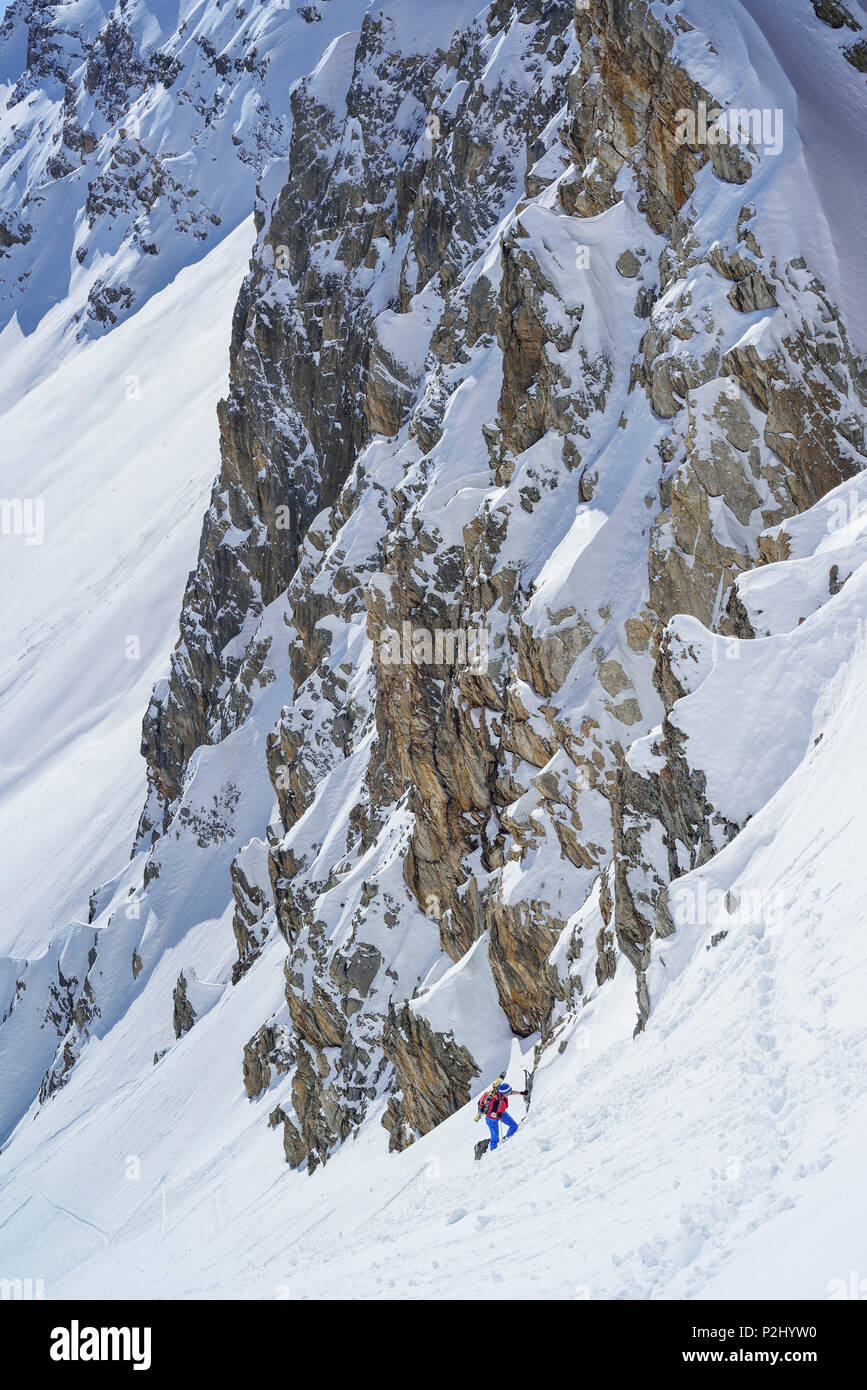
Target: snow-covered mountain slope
[520, 365]
[715, 1155]
[116, 451]
[131, 139]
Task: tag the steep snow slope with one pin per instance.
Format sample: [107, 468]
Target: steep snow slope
[715, 1155]
[772, 54]
[709, 1153]
[118, 447]
[131, 140]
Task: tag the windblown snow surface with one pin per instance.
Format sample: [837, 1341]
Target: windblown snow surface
[118, 447]
[718, 1154]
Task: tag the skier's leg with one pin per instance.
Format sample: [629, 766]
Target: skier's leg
[495, 1131]
[511, 1125]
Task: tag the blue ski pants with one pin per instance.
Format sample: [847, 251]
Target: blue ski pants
[493, 1126]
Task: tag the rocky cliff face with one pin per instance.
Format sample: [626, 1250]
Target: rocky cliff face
[519, 373]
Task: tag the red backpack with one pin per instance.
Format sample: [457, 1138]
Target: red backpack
[494, 1105]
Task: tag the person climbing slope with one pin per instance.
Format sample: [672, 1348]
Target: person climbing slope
[494, 1105]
